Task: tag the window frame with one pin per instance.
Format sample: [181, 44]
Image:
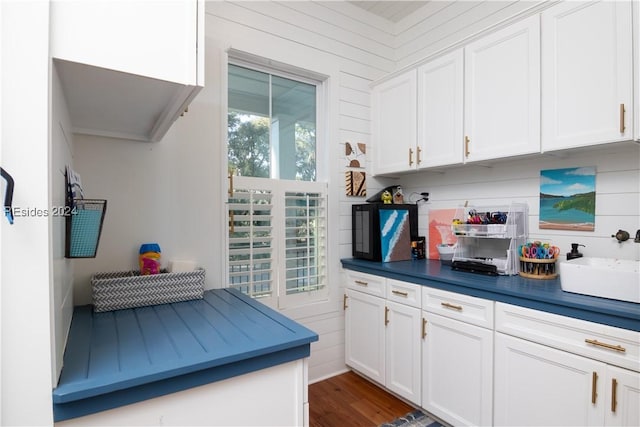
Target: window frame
[279, 298]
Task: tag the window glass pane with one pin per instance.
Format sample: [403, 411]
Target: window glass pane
[271, 126]
[294, 124]
[249, 148]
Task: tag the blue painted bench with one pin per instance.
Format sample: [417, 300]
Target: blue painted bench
[126, 356]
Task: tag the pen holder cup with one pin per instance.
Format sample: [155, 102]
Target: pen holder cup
[533, 268]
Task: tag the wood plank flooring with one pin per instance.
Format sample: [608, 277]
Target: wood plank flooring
[350, 400]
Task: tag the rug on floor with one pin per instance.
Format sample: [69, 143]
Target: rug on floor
[415, 418]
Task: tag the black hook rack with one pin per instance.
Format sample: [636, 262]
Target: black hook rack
[8, 197]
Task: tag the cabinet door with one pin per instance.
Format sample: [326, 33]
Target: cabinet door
[394, 124]
[542, 386]
[440, 111]
[151, 38]
[636, 58]
[587, 80]
[364, 334]
[622, 400]
[502, 92]
[457, 363]
[403, 350]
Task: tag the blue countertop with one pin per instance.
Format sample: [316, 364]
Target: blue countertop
[544, 295]
[126, 356]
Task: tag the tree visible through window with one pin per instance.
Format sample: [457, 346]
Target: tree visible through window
[277, 210]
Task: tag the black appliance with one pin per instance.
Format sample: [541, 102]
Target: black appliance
[365, 221]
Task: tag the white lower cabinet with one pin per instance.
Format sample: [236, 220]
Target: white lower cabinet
[471, 361]
[457, 368]
[542, 386]
[365, 334]
[558, 371]
[622, 397]
[383, 334]
[403, 351]
[457, 357]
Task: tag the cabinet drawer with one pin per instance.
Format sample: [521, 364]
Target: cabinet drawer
[476, 311]
[367, 283]
[403, 292]
[608, 344]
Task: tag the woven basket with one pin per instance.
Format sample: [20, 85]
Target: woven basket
[128, 289]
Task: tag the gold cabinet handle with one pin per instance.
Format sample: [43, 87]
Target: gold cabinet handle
[418, 159]
[424, 328]
[230, 190]
[410, 156]
[614, 392]
[451, 306]
[386, 316]
[361, 283]
[466, 146]
[344, 302]
[605, 345]
[400, 293]
[622, 111]
[594, 386]
[232, 223]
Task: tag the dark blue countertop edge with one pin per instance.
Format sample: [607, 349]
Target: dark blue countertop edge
[75, 400]
[102, 402]
[127, 396]
[543, 295]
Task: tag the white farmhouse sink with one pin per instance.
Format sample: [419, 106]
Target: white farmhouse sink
[602, 277]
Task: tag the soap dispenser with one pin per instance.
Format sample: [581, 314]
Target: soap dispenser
[574, 251]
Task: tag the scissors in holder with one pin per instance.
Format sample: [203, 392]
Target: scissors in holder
[530, 251]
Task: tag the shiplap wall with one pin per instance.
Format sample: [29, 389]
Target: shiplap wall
[440, 25]
[358, 50]
[171, 191]
[617, 195]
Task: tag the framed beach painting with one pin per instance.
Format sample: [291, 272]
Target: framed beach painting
[568, 199]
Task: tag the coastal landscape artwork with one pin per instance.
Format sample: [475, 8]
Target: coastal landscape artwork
[395, 235]
[568, 199]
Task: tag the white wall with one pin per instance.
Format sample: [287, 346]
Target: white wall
[61, 156]
[25, 267]
[617, 195]
[172, 192]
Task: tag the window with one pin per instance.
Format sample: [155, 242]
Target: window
[272, 125]
[277, 205]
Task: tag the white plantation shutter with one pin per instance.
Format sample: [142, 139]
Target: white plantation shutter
[277, 248]
[304, 268]
[251, 248]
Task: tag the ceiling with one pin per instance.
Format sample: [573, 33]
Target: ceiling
[393, 11]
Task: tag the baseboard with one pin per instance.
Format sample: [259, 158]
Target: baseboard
[331, 375]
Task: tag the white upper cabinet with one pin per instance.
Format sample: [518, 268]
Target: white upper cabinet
[394, 124]
[128, 68]
[587, 80]
[502, 93]
[440, 110]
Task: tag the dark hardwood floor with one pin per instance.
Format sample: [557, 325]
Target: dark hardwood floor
[350, 400]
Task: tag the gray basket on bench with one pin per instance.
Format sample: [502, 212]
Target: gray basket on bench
[128, 289]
